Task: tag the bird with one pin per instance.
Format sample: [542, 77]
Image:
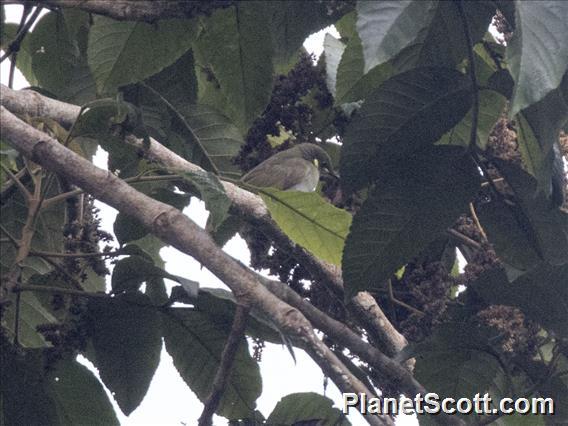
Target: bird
[295, 169]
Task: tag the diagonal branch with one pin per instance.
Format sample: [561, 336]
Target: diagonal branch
[245, 204]
[177, 230]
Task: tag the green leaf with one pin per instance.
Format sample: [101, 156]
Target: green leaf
[129, 273]
[541, 293]
[425, 32]
[177, 83]
[309, 221]
[127, 341]
[23, 397]
[195, 342]
[406, 113]
[221, 305]
[546, 227]
[291, 22]
[212, 193]
[32, 314]
[24, 59]
[416, 201]
[214, 139]
[54, 53]
[226, 230]
[333, 49]
[122, 52]
[491, 106]
[539, 128]
[199, 133]
[311, 407]
[58, 63]
[538, 52]
[508, 237]
[68, 385]
[353, 83]
[234, 45]
[387, 27]
[457, 361]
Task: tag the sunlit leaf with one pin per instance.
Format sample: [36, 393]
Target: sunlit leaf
[309, 221]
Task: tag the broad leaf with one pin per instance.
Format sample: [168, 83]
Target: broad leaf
[221, 305]
[198, 133]
[542, 294]
[291, 22]
[212, 193]
[177, 83]
[408, 209]
[23, 397]
[24, 59]
[353, 83]
[127, 341]
[539, 127]
[32, 313]
[311, 407]
[195, 342]
[235, 48]
[459, 374]
[426, 33]
[387, 27]
[538, 52]
[122, 52]
[491, 106]
[509, 238]
[309, 221]
[545, 226]
[129, 273]
[333, 49]
[58, 62]
[68, 385]
[406, 113]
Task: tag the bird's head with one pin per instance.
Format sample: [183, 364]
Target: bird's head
[318, 156]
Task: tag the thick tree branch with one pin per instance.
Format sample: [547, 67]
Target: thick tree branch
[177, 230]
[244, 203]
[224, 370]
[141, 10]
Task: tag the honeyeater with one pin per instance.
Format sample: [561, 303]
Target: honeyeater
[295, 169]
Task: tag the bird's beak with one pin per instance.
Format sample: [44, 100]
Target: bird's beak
[331, 173]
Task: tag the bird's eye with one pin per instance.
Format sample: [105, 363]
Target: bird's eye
[316, 162]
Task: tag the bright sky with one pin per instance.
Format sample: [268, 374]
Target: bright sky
[169, 401]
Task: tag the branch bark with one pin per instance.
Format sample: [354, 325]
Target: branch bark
[177, 230]
[245, 204]
[141, 10]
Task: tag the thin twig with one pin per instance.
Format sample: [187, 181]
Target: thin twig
[224, 370]
[136, 179]
[477, 222]
[23, 28]
[17, 182]
[401, 303]
[464, 238]
[10, 236]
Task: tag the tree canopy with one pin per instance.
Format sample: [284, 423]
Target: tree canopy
[450, 143]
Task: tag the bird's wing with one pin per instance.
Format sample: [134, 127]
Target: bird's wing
[277, 175]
